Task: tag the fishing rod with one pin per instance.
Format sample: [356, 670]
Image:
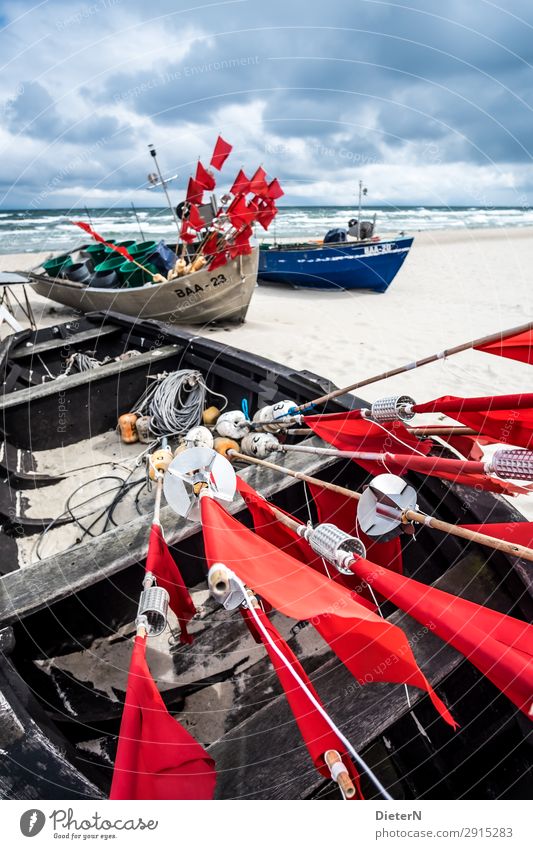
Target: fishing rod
[508, 464]
[448, 352]
[404, 517]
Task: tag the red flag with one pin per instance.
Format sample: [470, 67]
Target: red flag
[238, 212]
[370, 647]
[517, 347]
[274, 189]
[500, 646]
[520, 533]
[241, 243]
[221, 152]
[156, 757]
[160, 563]
[505, 418]
[118, 249]
[241, 184]
[218, 260]
[317, 734]
[266, 525]
[186, 234]
[266, 214]
[210, 244]
[342, 511]
[350, 432]
[195, 191]
[205, 178]
[195, 220]
[258, 183]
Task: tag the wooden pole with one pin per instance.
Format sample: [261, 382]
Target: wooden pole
[456, 349]
[423, 430]
[510, 548]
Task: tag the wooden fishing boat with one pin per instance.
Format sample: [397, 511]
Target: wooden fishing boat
[66, 620]
[196, 299]
[345, 265]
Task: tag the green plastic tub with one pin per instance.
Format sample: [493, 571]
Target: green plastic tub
[54, 266]
[96, 253]
[113, 263]
[132, 276]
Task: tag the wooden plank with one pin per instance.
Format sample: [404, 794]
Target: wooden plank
[60, 342]
[264, 756]
[34, 587]
[27, 396]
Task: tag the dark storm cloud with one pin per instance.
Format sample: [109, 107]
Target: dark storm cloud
[350, 80]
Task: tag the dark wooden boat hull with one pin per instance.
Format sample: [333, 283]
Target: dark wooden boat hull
[66, 625]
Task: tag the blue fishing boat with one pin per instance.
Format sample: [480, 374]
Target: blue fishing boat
[371, 264]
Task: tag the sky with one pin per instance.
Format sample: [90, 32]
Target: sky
[429, 103]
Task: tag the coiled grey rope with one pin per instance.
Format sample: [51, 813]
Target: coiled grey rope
[175, 404]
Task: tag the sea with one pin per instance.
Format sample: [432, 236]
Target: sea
[52, 230]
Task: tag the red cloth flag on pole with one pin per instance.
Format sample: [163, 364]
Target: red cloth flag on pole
[505, 418]
[258, 183]
[500, 646]
[195, 191]
[156, 757]
[185, 234]
[119, 249]
[367, 644]
[220, 153]
[274, 189]
[210, 244]
[238, 212]
[318, 736]
[161, 564]
[195, 220]
[241, 184]
[219, 259]
[205, 178]
[517, 347]
[267, 211]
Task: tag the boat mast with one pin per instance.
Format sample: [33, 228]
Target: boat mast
[362, 191]
[162, 182]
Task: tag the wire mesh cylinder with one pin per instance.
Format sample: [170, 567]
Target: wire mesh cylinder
[513, 463]
[392, 408]
[334, 545]
[153, 608]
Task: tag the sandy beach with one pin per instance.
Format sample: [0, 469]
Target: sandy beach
[454, 286]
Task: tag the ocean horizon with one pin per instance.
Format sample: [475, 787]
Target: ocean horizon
[50, 229]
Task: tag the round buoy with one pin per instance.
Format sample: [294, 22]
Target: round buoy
[199, 435]
[160, 461]
[127, 428]
[233, 424]
[210, 415]
[223, 444]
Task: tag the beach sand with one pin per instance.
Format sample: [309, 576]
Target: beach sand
[453, 286]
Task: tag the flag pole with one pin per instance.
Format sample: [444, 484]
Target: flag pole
[138, 222]
[153, 153]
[456, 349]
[407, 517]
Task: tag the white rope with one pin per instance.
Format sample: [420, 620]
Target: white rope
[175, 404]
[357, 758]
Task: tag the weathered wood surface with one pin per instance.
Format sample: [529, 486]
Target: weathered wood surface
[34, 763]
[63, 342]
[33, 394]
[34, 587]
[263, 757]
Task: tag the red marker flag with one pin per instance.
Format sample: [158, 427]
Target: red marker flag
[274, 189]
[156, 757]
[220, 153]
[195, 191]
[266, 214]
[505, 418]
[96, 236]
[258, 183]
[241, 184]
[369, 646]
[218, 260]
[210, 245]
[186, 234]
[318, 736]
[160, 563]
[517, 347]
[205, 178]
[500, 646]
[195, 220]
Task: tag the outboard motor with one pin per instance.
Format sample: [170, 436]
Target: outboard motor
[335, 235]
[365, 230]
